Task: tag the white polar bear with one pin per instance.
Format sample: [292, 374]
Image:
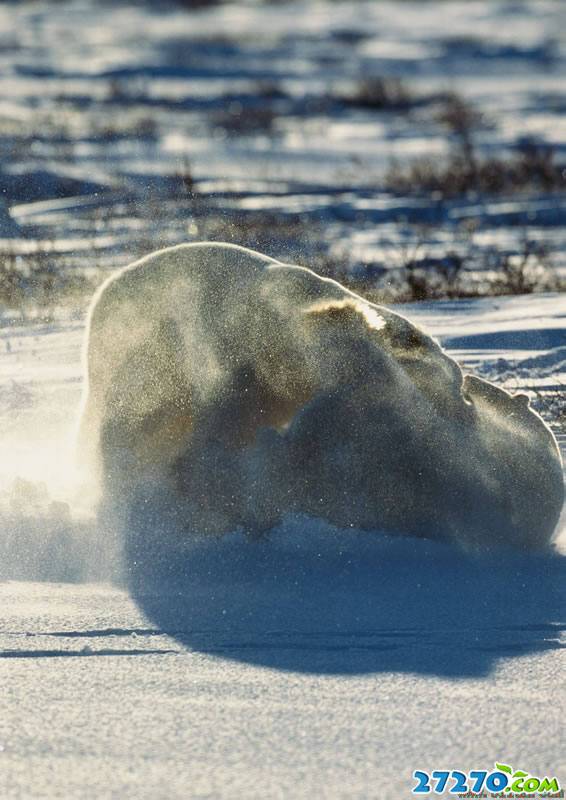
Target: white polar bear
[243, 389]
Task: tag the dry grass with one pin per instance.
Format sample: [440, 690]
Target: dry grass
[531, 169]
[237, 120]
[381, 94]
[37, 282]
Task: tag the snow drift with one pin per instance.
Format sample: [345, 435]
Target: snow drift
[237, 390]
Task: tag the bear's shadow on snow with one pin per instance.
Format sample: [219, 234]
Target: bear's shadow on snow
[309, 598]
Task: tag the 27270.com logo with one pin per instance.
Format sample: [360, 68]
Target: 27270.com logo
[503, 781]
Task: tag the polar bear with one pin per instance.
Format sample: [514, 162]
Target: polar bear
[242, 389]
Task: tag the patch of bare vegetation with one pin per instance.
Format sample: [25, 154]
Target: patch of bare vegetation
[381, 94]
[551, 405]
[531, 167]
[186, 179]
[413, 274]
[39, 282]
[113, 128]
[240, 120]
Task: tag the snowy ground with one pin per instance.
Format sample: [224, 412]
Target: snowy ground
[110, 113]
[413, 657]
[134, 715]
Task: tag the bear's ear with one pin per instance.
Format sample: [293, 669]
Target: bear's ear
[348, 311]
[522, 399]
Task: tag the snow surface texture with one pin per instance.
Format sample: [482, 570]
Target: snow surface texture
[95, 133]
[98, 704]
[237, 390]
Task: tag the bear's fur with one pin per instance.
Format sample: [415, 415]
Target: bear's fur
[245, 389]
